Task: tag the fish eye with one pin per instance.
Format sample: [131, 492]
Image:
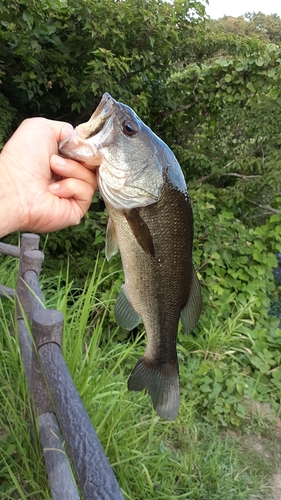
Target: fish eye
[130, 128]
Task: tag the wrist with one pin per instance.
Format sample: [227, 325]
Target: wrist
[9, 209]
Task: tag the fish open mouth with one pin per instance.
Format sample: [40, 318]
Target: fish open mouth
[102, 113]
[77, 146]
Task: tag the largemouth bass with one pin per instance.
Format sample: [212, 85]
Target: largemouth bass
[150, 219]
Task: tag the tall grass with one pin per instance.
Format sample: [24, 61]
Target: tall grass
[152, 458]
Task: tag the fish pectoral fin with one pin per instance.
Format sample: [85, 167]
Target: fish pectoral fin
[111, 243]
[140, 230]
[191, 312]
[162, 384]
[125, 315]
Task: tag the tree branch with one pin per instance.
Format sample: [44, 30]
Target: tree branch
[242, 176]
[230, 174]
[266, 207]
[166, 114]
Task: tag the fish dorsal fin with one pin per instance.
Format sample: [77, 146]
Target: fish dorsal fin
[125, 315]
[111, 244]
[140, 230]
[191, 312]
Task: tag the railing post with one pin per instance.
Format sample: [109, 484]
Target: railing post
[95, 477]
[28, 242]
[30, 261]
[26, 303]
[48, 328]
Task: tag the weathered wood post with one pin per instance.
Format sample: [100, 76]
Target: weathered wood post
[62, 484]
[29, 296]
[95, 477]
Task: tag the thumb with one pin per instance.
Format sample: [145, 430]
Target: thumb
[60, 129]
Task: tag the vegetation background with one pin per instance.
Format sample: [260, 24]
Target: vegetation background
[212, 91]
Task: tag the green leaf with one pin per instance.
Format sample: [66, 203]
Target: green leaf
[251, 87]
[28, 17]
[240, 66]
[272, 73]
[228, 78]
[260, 364]
[260, 61]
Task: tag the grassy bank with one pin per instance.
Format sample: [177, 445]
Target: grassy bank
[196, 457]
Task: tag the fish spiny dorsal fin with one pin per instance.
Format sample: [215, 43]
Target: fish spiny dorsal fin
[191, 312]
[162, 384]
[125, 315]
[140, 230]
[111, 244]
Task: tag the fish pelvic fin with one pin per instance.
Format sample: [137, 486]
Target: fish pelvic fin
[125, 315]
[111, 243]
[191, 312]
[162, 384]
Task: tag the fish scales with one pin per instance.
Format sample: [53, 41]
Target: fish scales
[157, 286]
[150, 219]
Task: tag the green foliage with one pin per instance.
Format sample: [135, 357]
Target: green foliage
[235, 262]
[59, 57]
[237, 344]
[214, 97]
[265, 27]
[7, 115]
[236, 362]
[229, 133]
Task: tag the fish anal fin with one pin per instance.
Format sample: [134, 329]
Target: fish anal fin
[125, 315]
[162, 384]
[140, 230]
[111, 243]
[191, 312]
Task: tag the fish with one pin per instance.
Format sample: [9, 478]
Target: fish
[151, 222]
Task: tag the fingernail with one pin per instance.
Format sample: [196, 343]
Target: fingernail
[66, 130]
[54, 187]
[60, 162]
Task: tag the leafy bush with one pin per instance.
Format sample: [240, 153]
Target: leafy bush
[215, 99]
[237, 344]
[7, 114]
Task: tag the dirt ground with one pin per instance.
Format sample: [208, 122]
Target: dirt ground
[269, 450]
[268, 447]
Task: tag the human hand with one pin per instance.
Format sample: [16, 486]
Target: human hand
[31, 198]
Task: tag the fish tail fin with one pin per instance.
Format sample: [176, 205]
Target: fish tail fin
[161, 382]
